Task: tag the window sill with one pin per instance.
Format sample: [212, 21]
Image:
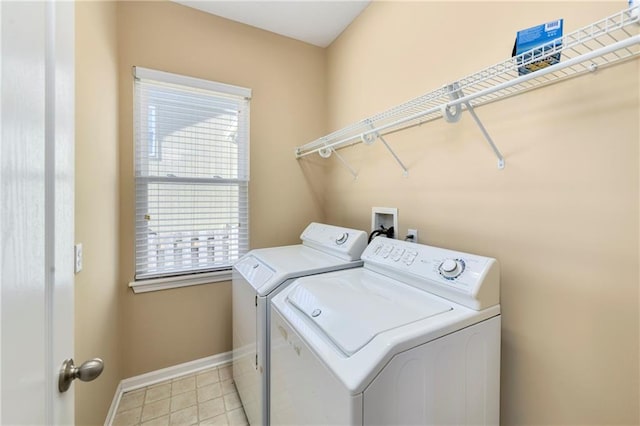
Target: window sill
[156, 284]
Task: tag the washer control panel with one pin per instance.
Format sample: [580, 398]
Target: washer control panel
[469, 279]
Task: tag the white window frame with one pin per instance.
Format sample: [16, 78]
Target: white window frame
[194, 278]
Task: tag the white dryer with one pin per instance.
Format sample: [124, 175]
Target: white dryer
[413, 337]
[257, 277]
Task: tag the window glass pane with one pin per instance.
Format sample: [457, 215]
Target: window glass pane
[189, 139]
[191, 179]
[194, 226]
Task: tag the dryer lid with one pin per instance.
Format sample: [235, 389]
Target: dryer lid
[352, 309]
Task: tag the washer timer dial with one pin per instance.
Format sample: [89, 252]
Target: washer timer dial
[451, 268]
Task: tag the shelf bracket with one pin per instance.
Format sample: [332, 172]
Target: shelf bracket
[405, 171]
[326, 153]
[369, 138]
[452, 114]
[344, 163]
[493, 146]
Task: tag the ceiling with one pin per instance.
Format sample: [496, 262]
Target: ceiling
[318, 22]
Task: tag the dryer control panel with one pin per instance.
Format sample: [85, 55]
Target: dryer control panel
[468, 279]
[345, 243]
[254, 271]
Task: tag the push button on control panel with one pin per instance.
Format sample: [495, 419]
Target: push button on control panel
[386, 251]
[397, 254]
[409, 257]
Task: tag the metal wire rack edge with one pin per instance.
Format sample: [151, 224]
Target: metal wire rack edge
[499, 81]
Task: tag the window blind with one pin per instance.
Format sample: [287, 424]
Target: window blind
[191, 174]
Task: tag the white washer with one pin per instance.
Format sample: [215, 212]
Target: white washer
[413, 337]
[257, 277]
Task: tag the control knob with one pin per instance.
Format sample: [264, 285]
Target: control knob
[342, 238]
[451, 268]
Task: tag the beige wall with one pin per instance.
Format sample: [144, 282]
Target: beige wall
[96, 207]
[288, 82]
[562, 217]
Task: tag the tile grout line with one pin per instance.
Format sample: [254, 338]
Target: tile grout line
[131, 409]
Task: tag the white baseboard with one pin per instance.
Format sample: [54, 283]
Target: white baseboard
[174, 371]
[111, 414]
[153, 377]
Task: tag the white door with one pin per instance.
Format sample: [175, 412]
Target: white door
[36, 210]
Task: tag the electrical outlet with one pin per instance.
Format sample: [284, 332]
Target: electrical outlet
[412, 235]
[77, 250]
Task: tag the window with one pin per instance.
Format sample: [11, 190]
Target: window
[191, 174]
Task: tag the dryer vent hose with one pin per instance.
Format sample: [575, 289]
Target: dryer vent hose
[387, 232]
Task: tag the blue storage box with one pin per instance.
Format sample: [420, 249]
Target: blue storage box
[536, 42]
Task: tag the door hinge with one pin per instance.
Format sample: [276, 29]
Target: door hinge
[256, 300]
[256, 361]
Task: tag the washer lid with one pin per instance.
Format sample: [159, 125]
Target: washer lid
[351, 312]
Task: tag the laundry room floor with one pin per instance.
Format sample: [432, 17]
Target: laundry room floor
[208, 397]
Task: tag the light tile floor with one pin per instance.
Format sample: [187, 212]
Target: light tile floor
[208, 397]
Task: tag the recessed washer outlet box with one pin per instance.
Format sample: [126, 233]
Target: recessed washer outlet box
[385, 216]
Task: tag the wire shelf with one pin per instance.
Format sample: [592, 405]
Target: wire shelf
[606, 42]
